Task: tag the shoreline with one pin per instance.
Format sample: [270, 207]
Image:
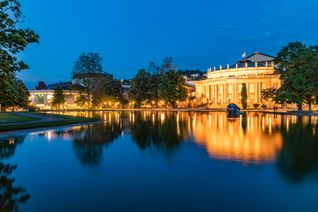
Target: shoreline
[23, 131]
[279, 112]
[45, 121]
[95, 121]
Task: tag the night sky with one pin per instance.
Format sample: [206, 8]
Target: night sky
[128, 34]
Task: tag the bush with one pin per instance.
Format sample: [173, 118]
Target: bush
[32, 108]
[256, 105]
[264, 106]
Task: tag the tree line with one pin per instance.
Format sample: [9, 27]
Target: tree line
[96, 86]
[158, 83]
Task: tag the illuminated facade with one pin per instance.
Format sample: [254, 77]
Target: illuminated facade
[43, 98]
[224, 85]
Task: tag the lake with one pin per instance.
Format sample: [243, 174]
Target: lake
[164, 161]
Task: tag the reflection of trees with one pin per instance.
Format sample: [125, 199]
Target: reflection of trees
[11, 196]
[9, 145]
[89, 141]
[299, 156]
[161, 130]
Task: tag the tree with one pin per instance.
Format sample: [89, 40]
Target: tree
[297, 64]
[140, 88]
[167, 66]
[106, 89]
[81, 100]
[85, 70]
[13, 40]
[244, 96]
[269, 94]
[58, 97]
[13, 93]
[172, 87]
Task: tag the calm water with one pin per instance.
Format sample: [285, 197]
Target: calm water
[143, 161]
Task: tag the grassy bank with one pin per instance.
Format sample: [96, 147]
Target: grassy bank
[55, 121]
[6, 118]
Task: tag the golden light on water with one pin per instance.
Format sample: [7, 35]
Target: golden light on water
[237, 139]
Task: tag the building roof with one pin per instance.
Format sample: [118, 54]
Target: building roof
[259, 57]
[62, 85]
[41, 86]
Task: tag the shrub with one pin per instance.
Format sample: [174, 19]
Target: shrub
[264, 106]
[256, 105]
[32, 108]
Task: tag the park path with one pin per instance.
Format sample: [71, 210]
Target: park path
[42, 118]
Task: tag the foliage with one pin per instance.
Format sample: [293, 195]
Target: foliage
[264, 106]
[297, 64]
[58, 97]
[172, 87]
[244, 96]
[13, 40]
[85, 70]
[165, 83]
[269, 94]
[81, 100]
[106, 88]
[141, 87]
[13, 93]
[256, 105]
[167, 66]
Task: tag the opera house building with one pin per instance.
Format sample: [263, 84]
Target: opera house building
[224, 84]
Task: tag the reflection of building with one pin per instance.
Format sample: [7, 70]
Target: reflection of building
[224, 85]
[42, 96]
[250, 140]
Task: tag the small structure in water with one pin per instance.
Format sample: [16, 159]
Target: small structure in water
[233, 110]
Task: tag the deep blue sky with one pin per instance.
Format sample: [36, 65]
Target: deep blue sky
[130, 33]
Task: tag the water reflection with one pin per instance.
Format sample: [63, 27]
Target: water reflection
[11, 196]
[89, 141]
[157, 130]
[298, 158]
[251, 139]
[8, 146]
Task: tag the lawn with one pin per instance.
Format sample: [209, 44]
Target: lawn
[6, 118]
[62, 121]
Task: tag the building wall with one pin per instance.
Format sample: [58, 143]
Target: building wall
[224, 86]
[43, 98]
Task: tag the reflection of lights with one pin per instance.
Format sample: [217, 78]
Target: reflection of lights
[287, 124]
[49, 135]
[162, 117]
[11, 141]
[227, 140]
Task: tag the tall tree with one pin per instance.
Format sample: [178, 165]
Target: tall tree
[106, 88]
[140, 88]
[298, 64]
[58, 97]
[244, 96]
[85, 70]
[167, 65]
[172, 88]
[13, 40]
